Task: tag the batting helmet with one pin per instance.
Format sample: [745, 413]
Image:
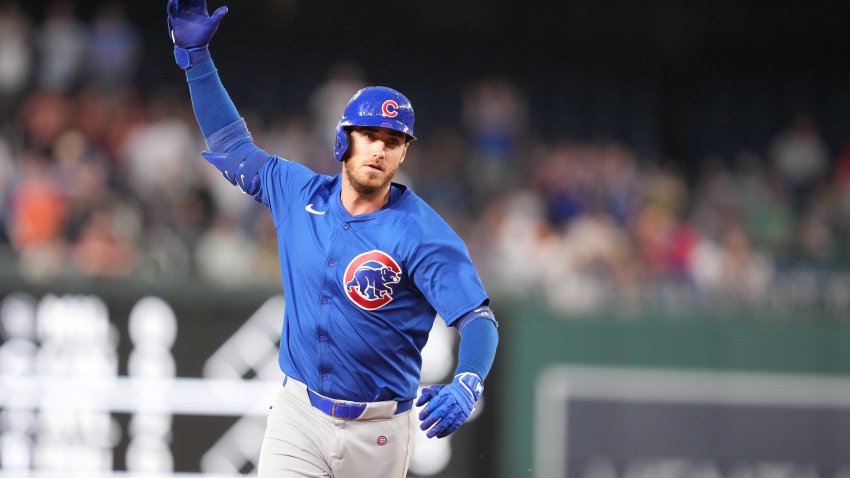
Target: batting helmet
[374, 106]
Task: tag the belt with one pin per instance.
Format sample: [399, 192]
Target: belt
[347, 410]
[351, 410]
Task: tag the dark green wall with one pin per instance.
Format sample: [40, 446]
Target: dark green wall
[533, 338]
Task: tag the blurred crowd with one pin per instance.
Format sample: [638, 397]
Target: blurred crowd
[99, 180]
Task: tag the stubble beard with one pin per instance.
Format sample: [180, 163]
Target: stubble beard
[366, 188]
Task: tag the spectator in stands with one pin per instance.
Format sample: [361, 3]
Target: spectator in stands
[223, 251]
[15, 52]
[44, 115]
[107, 245]
[732, 270]
[61, 45]
[801, 158]
[37, 213]
[495, 117]
[114, 48]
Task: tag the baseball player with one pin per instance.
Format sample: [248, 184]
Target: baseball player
[366, 267]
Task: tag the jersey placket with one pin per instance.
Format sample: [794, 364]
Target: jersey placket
[326, 305]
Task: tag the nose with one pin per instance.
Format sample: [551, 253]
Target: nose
[380, 150]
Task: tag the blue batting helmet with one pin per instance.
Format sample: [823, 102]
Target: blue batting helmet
[374, 106]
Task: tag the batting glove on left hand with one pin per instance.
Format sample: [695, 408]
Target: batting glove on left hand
[449, 405]
[189, 24]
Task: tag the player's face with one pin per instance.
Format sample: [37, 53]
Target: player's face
[376, 154]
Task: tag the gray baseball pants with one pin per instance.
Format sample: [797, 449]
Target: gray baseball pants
[302, 441]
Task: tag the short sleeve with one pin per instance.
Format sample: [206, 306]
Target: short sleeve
[280, 180]
[443, 272]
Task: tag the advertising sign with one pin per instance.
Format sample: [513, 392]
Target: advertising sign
[607, 422]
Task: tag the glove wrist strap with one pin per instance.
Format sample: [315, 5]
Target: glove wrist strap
[472, 383]
[188, 57]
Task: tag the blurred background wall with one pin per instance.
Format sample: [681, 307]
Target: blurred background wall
[647, 189]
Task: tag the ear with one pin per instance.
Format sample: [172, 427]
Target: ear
[404, 153]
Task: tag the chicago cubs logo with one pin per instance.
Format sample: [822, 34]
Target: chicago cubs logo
[390, 108]
[369, 278]
[382, 440]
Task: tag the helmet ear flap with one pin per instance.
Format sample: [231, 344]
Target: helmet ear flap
[343, 140]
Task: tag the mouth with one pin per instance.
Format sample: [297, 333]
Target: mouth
[375, 167]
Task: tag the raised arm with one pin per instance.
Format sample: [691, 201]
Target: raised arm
[231, 148]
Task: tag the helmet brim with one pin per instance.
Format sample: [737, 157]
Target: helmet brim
[380, 122]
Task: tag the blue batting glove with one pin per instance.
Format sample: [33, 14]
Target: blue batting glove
[449, 405]
[189, 24]
[428, 394]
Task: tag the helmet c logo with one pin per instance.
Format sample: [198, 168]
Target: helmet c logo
[390, 108]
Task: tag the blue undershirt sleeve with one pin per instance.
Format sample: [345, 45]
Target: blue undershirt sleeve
[213, 107]
[478, 341]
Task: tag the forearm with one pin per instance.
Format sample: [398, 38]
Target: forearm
[448, 406]
[477, 350]
[213, 107]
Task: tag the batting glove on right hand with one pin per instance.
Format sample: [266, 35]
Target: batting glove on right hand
[449, 405]
[189, 24]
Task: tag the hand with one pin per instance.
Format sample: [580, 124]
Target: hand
[189, 24]
[449, 405]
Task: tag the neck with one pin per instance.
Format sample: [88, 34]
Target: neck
[356, 203]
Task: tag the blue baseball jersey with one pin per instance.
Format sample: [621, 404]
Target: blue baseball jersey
[362, 292]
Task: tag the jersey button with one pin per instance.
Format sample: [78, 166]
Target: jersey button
[346, 226]
[324, 300]
[323, 338]
[331, 262]
[324, 376]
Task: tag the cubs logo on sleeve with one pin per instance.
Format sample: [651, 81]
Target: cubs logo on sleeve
[369, 279]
